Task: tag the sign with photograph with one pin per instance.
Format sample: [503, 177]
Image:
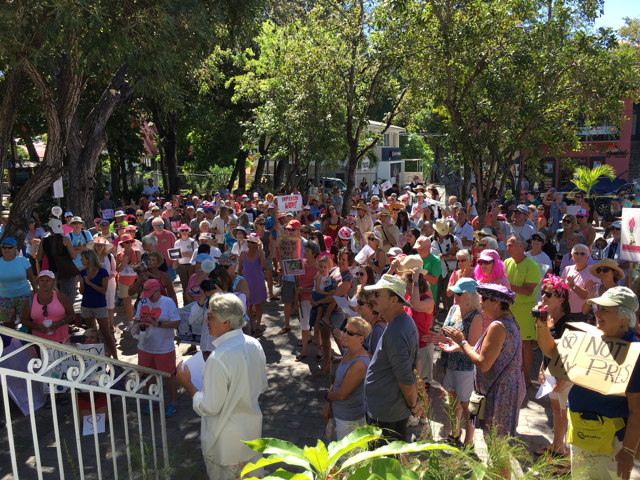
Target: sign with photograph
[293, 267]
[290, 203]
[630, 238]
[289, 248]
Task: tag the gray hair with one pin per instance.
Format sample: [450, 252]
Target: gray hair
[466, 253]
[314, 247]
[229, 257]
[472, 299]
[227, 306]
[492, 243]
[150, 240]
[157, 221]
[518, 238]
[625, 313]
[580, 246]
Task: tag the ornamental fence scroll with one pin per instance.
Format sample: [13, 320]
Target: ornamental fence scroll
[25, 375]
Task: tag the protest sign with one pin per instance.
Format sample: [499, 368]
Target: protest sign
[573, 209]
[293, 267]
[174, 254]
[186, 332]
[365, 253]
[87, 424]
[107, 213]
[58, 191]
[61, 369]
[289, 247]
[386, 185]
[175, 225]
[588, 359]
[344, 305]
[290, 203]
[630, 245]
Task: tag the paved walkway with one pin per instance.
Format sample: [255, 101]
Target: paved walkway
[292, 408]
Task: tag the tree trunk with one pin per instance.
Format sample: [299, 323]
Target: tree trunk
[242, 172]
[316, 174]
[351, 177]
[278, 175]
[85, 144]
[163, 166]
[465, 191]
[31, 148]
[240, 163]
[169, 142]
[115, 173]
[123, 173]
[15, 80]
[262, 149]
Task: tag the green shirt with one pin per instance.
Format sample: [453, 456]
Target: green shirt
[535, 202]
[433, 266]
[527, 271]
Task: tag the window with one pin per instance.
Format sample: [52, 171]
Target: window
[387, 140]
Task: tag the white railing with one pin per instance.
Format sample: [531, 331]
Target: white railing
[35, 373]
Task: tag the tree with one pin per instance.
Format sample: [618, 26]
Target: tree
[630, 32]
[588, 177]
[511, 80]
[321, 77]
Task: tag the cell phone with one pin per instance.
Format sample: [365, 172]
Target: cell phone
[78, 338]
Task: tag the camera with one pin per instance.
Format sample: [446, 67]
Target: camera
[542, 313]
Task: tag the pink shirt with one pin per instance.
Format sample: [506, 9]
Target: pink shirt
[306, 280]
[580, 278]
[55, 312]
[166, 240]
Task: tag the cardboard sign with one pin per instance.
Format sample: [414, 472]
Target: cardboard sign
[289, 247]
[60, 370]
[174, 254]
[88, 427]
[586, 358]
[175, 226]
[293, 267]
[58, 191]
[290, 203]
[630, 235]
[386, 186]
[186, 332]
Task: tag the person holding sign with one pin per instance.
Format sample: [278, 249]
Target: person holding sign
[106, 207]
[615, 418]
[158, 318]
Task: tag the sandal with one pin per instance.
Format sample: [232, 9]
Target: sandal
[300, 343]
[275, 298]
[451, 440]
[299, 357]
[258, 333]
[284, 330]
[324, 370]
[543, 450]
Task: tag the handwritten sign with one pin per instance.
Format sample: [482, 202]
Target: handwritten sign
[58, 191]
[60, 370]
[630, 235]
[386, 185]
[175, 225]
[586, 358]
[289, 247]
[88, 426]
[290, 203]
[186, 332]
[107, 213]
[293, 267]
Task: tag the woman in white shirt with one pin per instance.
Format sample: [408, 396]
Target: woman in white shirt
[156, 319]
[233, 376]
[187, 248]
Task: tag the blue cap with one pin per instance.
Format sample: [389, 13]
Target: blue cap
[211, 209]
[618, 199]
[68, 214]
[465, 284]
[616, 224]
[9, 241]
[200, 210]
[202, 257]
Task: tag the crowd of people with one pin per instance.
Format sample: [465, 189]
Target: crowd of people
[396, 260]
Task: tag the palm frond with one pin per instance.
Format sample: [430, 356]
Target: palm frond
[588, 177]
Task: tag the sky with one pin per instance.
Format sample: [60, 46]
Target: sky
[616, 10]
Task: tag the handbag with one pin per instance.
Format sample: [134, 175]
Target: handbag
[478, 405]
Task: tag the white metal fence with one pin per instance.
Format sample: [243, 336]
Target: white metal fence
[25, 366]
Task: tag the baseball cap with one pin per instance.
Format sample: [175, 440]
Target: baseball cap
[617, 224]
[375, 198]
[489, 255]
[55, 225]
[9, 241]
[201, 257]
[618, 199]
[46, 273]
[68, 214]
[464, 285]
[105, 222]
[293, 225]
[150, 287]
[542, 236]
[616, 296]
[95, 220]
[522, 209]
[582, 213]
[407, 187]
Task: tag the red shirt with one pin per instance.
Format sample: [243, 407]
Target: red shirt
[166, 240]
[422, 320]
[306, 280]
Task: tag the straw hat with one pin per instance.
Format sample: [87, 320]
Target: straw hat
[442, 227]
[609, 263]
[408, 263]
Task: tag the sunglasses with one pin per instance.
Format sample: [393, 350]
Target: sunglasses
[127, 243]
[158, 226]
[462, 261]
[140, 215]
[45, 313]
[616, 228]
[603, 270]
[361, 303]
[566, 221]
[482, 235]
[550, 294]
[485, 262]
[360, 274]
[350, 333]
[7, 247]
[226, 267]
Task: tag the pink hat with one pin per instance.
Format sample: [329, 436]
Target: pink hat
[345, 233]
[328, 241]
[150, 287]
[582, 213]
[184, 227]
[489, 255]
[46, 273]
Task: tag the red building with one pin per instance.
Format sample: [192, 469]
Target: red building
[603, 145]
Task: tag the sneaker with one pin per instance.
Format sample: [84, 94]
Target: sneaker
[128, 328]
[172, 410]
[147, 410]
[413, 421]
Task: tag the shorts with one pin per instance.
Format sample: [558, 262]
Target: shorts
[84, 400]
[522, 313]
[165, 362]
[99, 312]
[426, 362]
[460, 382]
[563, 396]
[11, 308]
[269, 264]
[288, 292]
[123, 290]
[305, 314]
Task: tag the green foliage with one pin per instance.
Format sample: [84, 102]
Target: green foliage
[630, 32]
[588, 177]
[321, 463]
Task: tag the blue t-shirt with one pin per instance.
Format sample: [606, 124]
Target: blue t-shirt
[13, 277]
[393, 362]
[268, 224]
[91, 298]
[591, 403]
[79, 241]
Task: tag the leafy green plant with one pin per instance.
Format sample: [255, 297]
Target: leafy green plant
[323, 463]
[588, 177]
